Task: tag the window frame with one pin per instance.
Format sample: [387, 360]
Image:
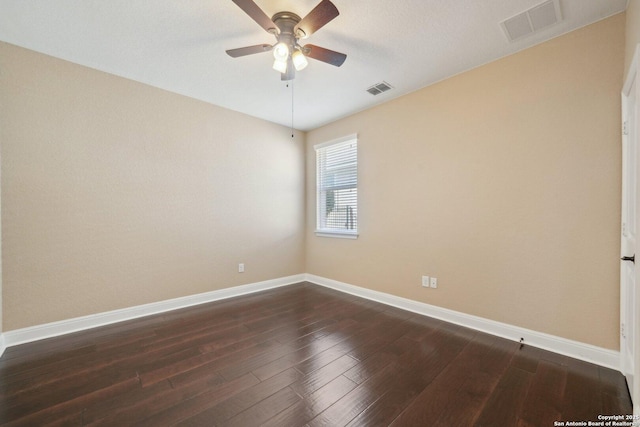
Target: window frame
[333, 232]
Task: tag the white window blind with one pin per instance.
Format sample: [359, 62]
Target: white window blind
[337, 187]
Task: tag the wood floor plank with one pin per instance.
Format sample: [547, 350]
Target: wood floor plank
[365, 369]
[214, 362]
[581, 402]
[379, 342]
[422, 327]
[262, 411]
[125, 402]
[415, 367]
[24, 378]
[127, 358]
[353, 403]
[505, 404]
[179, 407]
[450, 372]
[302, 353]
[261, 351]
[475, 391]
[310, 383]
[398, 393]
[385, 409]
[84, 391]
[316, 327]
[613, 384]
[31, 366]
[543, 401]
[234, 405]
[312, 404]
[293, 356]
[130, 408]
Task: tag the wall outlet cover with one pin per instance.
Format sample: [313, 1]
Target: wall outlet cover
[425, 281]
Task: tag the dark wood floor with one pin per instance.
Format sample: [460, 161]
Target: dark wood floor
[295, 356]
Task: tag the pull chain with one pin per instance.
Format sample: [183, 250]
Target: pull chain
[291, 82]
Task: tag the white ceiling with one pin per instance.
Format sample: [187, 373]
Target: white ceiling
[180, 46]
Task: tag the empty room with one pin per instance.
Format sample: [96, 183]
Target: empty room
[319, 213]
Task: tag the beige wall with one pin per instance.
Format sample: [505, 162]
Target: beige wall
[116, 194]
[632, 32]
[503, 182]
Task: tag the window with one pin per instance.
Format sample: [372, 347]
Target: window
[337, 188]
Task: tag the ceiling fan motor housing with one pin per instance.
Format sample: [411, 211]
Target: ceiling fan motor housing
[286, 22]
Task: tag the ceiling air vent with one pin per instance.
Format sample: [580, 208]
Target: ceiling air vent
[532, 20]
[378, 88]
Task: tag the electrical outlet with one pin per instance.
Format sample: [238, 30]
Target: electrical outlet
[434, 282]
[425, 281]
[241, 268]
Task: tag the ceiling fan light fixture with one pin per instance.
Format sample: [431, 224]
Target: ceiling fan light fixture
[280, 66]
[281, 51]
[299, 60]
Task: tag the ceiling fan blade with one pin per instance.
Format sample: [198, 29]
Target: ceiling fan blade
[325, 55]
[249, 50]
[252, 9]
[324, 12]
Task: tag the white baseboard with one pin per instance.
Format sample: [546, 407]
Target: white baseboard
[49, 330]
[575, 349]
[578, 350]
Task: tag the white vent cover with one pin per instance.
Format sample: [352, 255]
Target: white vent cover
[378, 88]
[532, 20]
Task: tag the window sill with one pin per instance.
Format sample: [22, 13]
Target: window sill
[337, 234]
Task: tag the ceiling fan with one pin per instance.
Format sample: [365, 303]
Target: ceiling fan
[289, 28]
